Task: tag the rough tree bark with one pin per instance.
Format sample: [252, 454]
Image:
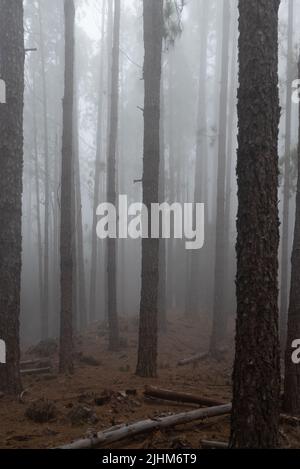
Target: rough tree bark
[66, 230]
[256, 377]
[11, 163]
[153, 34]
[291, 402]
[111, 183]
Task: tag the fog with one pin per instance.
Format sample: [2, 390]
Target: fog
[187, 129]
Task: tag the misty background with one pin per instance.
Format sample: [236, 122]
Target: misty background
[190, 123]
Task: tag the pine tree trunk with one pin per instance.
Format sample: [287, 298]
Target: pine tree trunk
[231, 123]
[45, 307]
[38, 201]
[73, 241]
[94, 256]
[256, 378]
[111, 183]
[200, 167]
[219, 321]
[153, 33]
[56, 236]
[162, 300]
[171, 186]
[82, 305]
[66, 230]
[11, 163]
[292, 371]
[285, 261]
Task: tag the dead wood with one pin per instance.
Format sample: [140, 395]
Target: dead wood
[213, 444]
[193, 359]
[165, 394]
[36, 371]
[107, 437]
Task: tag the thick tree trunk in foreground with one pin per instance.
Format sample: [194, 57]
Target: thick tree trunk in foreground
[111, 183]
[66, 231]
[292, 371]
[256, 378]
[11, 164]
[153, 33]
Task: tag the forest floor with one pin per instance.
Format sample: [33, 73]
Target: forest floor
[95, 397]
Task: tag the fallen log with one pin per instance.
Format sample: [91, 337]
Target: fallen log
[182, 397]
[107, 437]
[165, 394]
[37, 361]
[194, 359]
[206, 444]
[36, 371]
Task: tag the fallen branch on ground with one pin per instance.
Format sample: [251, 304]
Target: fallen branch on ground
[114, 435]
[37, 361]
[151, 391]
[213, 444]
[165, 394]
[36, 371]
[194, 359]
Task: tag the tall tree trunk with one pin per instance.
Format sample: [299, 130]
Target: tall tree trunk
[172, 178]
[219, 322]
[94, 257]
[73, 241]
[286, 191]
[66, 230]
[231, 126]
[162, 300]
[38, 202]
[81, 284]
[45, 308]
[201, 157]
[111, 182]
[153, 34]
[11, 163]
[256, 377]
[109, 45]
[56, 235]
[292, 370]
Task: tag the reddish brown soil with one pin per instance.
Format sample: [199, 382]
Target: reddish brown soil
[210, 378]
